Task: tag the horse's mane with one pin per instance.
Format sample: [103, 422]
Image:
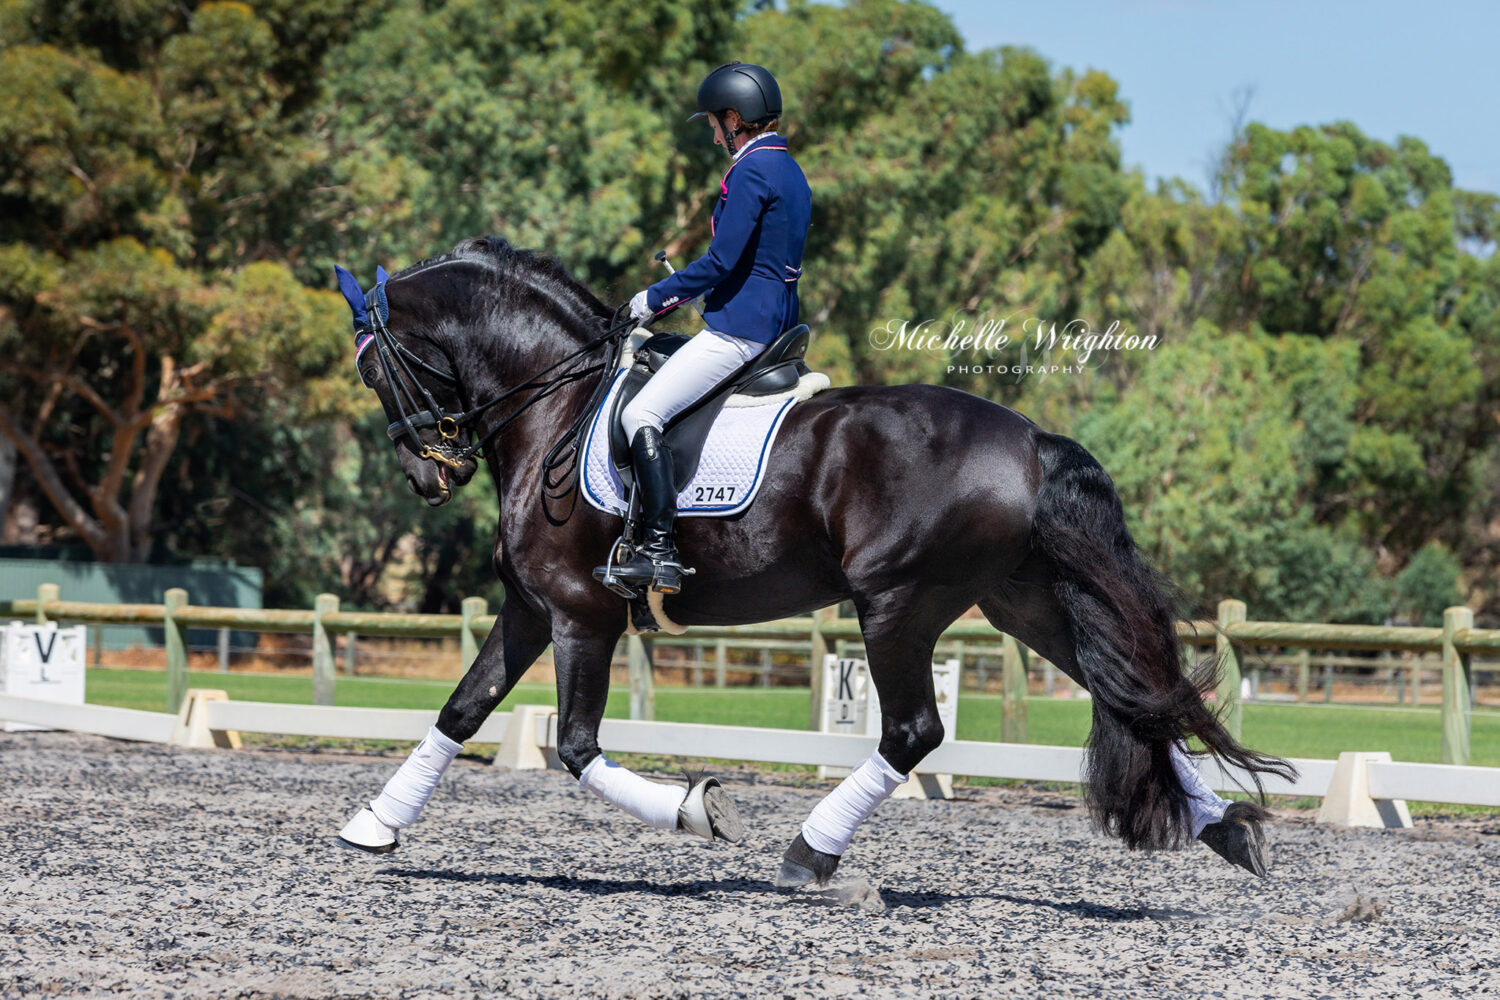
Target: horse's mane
[541, 271]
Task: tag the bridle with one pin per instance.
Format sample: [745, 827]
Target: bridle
[420, 411]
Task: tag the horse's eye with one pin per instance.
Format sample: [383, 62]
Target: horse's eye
[367, 376]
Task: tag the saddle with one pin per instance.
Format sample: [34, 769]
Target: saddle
[776, 369]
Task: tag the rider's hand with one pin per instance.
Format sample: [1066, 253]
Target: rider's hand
[638, 307]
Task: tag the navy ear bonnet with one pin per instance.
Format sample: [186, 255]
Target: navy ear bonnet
[361, 303]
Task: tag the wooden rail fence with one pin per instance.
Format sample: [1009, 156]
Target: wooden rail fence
[1456, 642]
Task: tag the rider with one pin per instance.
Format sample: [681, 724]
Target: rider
[749, 276]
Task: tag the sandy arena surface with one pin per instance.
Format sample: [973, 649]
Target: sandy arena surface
[136, 869]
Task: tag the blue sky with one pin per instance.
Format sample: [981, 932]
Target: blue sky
[1422, 69]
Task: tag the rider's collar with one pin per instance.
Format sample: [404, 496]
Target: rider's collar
[742, 150]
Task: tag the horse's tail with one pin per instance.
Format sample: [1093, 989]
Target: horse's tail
[1123, 627]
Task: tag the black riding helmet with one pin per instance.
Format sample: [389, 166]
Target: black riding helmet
[747, 88]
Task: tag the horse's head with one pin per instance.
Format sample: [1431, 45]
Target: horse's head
[417, 384]
[457, 346]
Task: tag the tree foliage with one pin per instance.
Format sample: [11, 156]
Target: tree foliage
[1317, 430]
[149, 162]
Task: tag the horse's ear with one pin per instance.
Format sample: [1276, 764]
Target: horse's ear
[380, 276]
[354, 295]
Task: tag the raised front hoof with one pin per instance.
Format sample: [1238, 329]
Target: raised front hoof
[1239, 837]
[366, 833]
[801, 865]
[709, 812]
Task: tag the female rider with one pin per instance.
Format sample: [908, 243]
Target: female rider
[749, 276]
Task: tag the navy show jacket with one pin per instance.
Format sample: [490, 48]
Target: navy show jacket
[751, 268]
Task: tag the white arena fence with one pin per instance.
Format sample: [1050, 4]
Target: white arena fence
[1359, 789]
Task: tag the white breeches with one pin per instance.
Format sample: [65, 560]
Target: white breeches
[689, 375]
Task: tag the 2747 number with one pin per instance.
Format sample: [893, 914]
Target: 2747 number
[713, 494]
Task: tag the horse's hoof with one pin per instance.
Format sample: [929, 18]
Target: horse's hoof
[709, 812]
[801, 865]
[1239, 838]
[366, 833]
[361, 848]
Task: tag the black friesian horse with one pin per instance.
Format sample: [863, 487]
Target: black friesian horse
[915, 502]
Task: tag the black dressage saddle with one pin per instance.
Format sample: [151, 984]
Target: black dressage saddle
[776, 369]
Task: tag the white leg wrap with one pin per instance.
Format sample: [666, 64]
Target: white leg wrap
[833, 821]
[412, 785]
[650, 802]
[1204, 803]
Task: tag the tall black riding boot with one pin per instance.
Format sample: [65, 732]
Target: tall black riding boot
[655, 563]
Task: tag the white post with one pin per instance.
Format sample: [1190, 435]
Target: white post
[1348, 803]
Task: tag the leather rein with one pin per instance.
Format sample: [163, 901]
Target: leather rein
[420, 411]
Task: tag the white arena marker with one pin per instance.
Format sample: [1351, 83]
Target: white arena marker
[846, 690]
[43, 662]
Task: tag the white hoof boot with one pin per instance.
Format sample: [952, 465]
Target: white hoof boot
[366, 833]
[709, 812]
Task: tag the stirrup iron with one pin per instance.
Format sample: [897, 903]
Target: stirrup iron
[608, 574]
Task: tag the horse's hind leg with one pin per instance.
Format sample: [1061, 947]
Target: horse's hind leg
[701, 807]
[900, 633]
[511, 648]
[1028, 609]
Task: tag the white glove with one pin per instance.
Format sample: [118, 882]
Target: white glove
[638, 307]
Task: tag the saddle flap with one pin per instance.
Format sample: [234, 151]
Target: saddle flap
[659, 348]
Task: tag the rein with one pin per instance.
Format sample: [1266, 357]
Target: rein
[397, 362]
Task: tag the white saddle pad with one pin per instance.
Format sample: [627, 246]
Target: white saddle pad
[734, 455]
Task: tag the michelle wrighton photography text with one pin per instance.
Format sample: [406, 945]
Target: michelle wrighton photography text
[1036, 341]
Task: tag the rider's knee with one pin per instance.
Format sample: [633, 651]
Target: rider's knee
[634, 416]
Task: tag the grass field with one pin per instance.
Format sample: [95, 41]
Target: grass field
[1287, 730]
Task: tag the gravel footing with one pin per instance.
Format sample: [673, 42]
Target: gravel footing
[135, 869]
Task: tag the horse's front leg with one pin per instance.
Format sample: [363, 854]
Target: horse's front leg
[701, 807]
[511, 648]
